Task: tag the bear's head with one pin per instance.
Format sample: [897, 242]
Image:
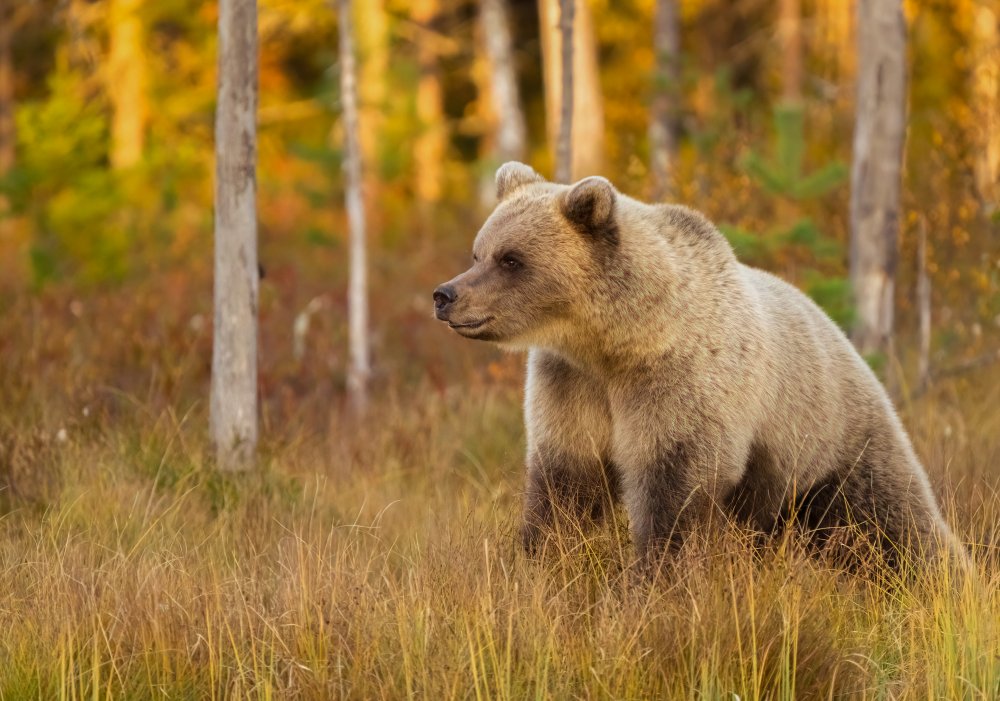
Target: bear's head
[535, 261]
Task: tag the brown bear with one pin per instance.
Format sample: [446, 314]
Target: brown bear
[664, 372]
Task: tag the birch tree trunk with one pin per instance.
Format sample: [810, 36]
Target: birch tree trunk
[511, 131]
[359, 369]
[663, 122]
[587, 138]
[879, 135]
[126, 83]
[986, 97]
[234, 356]
[564, 144]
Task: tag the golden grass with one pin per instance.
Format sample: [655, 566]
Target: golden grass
[378, 561]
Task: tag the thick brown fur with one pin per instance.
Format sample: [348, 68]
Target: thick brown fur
[663, 372]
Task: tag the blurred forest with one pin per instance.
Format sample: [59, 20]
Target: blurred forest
[106, 134]
[377, 558]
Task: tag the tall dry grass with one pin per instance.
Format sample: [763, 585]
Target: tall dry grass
[378, 561]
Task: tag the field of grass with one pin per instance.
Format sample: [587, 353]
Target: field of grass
[376, 560]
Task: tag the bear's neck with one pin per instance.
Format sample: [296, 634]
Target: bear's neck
[660, 294]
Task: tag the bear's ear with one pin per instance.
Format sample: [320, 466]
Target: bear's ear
[512, 176]
[590, 205]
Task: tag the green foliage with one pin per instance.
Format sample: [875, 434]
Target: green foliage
[784, 175]
[834, 295]
[63, 186]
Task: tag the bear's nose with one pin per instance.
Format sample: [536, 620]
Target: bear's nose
[443, 296]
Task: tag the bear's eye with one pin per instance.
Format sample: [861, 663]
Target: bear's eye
[510, 262]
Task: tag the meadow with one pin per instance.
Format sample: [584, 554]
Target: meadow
[376, 557]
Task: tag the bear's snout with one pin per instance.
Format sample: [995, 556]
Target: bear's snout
[444, 296]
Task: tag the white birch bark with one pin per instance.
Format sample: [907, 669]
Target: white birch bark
[876, 171]
[359, 369]
[234, 353]
[564, 146]
[511, 130]
[663, 120]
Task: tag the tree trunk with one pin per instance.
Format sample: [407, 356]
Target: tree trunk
[587, 139]
[663, 122]
[879, 135]
[234, 357]
[126, 83]
[511, 131]
[790, 36]
[924, 310]
[986, 97]
[564, 144]
[359, 369]
[429, 148]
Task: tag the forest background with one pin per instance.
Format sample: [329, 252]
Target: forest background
[155, 572]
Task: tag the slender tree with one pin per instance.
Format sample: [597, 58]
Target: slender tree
[126, 83]
[986, 101]
[876, 171]
[357, 295]
[790, 35]
[663, 120]
[923, 310]
[234, 356]
[506, 98]
[564, 146]
[585, 101]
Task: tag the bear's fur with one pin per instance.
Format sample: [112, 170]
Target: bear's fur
[663, 372]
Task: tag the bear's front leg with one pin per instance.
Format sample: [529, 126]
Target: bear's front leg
[569, 478]
[674, 492]
[564, 493]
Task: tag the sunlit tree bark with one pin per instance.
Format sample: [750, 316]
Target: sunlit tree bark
[790, 35]
[506, 98]
[564, 142]
[587, 106]
[430, 146]
[126, 81]
[359, 369]
[234, 356]
[986, 97]
[879, 134]
[663, 120]
[923, 311]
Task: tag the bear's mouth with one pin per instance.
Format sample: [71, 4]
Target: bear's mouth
[470, 325]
